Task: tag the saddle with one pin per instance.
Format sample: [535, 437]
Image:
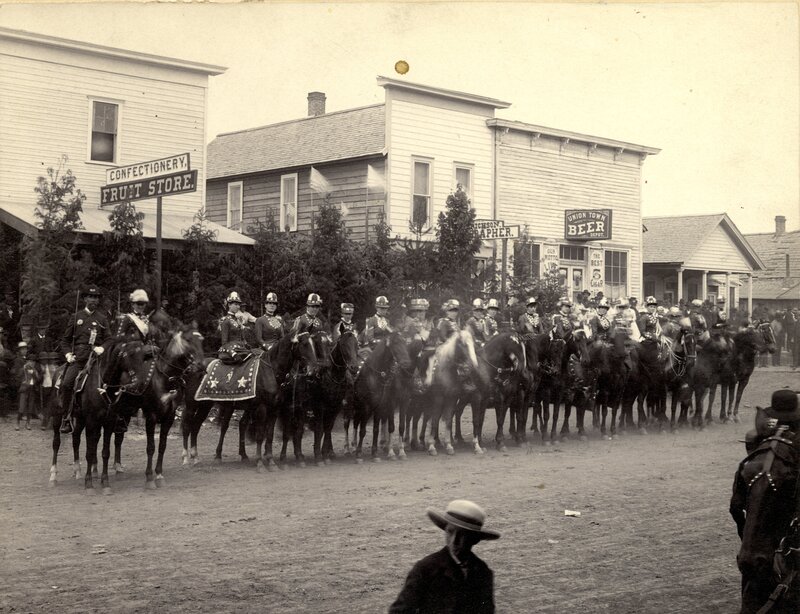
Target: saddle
[234, 353]
[230, 382]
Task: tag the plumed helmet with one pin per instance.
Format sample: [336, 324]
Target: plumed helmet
[492, 304]
[722, 316]
[651, 300]
[531, 301]
[271, 298]
[477, 304]
[661, 310]
[314, 300]
[418, 304]
[233, 297]
[564, 301]
[381, 301]
[139, 296]
[346, 308]
[697, 303]
[452, 304]
[675, 312]
[602, 303]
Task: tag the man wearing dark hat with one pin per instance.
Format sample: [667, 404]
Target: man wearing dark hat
[85, 334]
[764, 502]
[452, 580]
[529, 323]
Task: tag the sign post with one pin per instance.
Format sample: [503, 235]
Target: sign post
[145, 180]
[496, 230]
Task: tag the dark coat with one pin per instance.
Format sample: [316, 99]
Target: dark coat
[436, 585]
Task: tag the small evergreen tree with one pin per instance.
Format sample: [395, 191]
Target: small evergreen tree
[123, 257]
[458, 243]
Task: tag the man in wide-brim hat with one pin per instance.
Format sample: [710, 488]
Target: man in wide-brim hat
[453, 579]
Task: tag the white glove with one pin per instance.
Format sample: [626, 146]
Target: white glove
[98, 350]
[70, 357]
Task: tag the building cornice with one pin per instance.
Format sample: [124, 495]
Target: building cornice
[387, 82]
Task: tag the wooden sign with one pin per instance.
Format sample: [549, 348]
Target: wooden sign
[586, 224]
[179, 183]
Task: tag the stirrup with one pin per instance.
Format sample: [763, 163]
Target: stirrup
[66, 426]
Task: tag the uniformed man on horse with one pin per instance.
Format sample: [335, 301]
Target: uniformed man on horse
[476, 323]
[529, 323]
[345, 324]
[377, 326]
[269, 327]
[135, 325]
[648, 323]
[230, 327]
[492, 315]
[448, 325]
[562, 323]
[82, 339]
[600, 324]
[310, 321]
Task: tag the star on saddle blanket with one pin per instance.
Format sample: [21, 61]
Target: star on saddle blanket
[229, 382]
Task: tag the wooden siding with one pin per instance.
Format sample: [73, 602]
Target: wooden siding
[262, 196]
[446, 136]
[718, 253]
[539, 178]
[44, 113]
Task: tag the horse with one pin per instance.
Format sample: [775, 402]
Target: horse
[678, 361]
[337, 373]
[580, 383]
[551, 353]
[373, 392]
[415, 395]
[712, 354]
[747, 345]
[644, 383]
[455, 375]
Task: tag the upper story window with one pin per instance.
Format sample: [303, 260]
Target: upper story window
[103, 144]
[463, 177]
[288, 219]
[235, 198]
[421, 191]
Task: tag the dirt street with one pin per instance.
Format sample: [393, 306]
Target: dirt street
[654, 534]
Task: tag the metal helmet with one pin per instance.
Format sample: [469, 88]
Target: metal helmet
[271, 298]
[603, 303]
[346, 308]
[492, 304]
[697, 303]
[452, 304]
[418, 304]
[531, 301]
[564, 301]
[233, 297]
[675, 312]
[651, 300]
[722, 316]
[139, 296]
[477, 304]
[661, 310]
[314, 300]
[382, 301]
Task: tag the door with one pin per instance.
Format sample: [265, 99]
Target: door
[577, 283]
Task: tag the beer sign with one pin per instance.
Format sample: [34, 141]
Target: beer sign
[586, 224]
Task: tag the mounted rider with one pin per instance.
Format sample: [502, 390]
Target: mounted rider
[230, 327]
[476, 323]
[377, 327]
[677, 325]
[492, 315]
[417, 325]
[562, 323]
[345, 324]
[448, 325]
[269, 327]
[310, 321]
[698, 320]
[83, 338]
[601, 323]
[529, 323]
[648, 323]
[135, 325]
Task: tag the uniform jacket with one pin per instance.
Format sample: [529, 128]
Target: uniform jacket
[306, 323]
[492, 326]
[231, 329]
[376, 328]
[437, 585]
[562, 326]
[86, 329]
[530, 324]
[341, 327]
[269, 329]
[601, 327]
[131, 326]
[420, 329]
[649, 326]
[478, 328]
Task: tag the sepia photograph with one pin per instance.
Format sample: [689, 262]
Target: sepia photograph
[409, 307]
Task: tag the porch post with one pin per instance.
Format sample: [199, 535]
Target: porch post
[680, 284]
[727, 290]
[704, 287]
[750, 295]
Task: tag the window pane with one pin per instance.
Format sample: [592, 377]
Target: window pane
[463, 177]
[102, 147]
[235, 206]
[420, 213]
[289, 203]
[421, 177]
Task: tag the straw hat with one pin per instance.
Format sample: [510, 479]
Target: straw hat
[464, 515]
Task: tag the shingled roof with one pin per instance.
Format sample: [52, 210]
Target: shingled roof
[776, 289]
[673, 239]
[340, 135]
[772, 248]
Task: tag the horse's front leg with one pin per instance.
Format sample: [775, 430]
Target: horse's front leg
[640, 412]
[376, 425]
[269, 436]
[166, 424]
[568, 403]
[478, 416]
[56, 426]
[225, 413]
[92, 439]
[79, 425]
[319, 432]
[118, 466]
[711, 394]
[150, 431]
[740, 386]
[500, 411]
[104, 481]
[243, 424]
[459, 411]
[556, 410]
[449, 414]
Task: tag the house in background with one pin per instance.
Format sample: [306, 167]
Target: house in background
[402, 158]
[102, 107]
[698, 257]
[778, 285]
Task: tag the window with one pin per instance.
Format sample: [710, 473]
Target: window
[104, 130]
[526, 260]
[572, 252]
[289, 202]
[235, 205]
[421, 204]
[649, 287]
[463, 178]
[616, 274]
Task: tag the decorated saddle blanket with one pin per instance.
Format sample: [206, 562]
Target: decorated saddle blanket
[235, 382]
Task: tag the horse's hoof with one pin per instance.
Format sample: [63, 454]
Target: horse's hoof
[642, 431]
[402, 455]
[301, 464]
[548, 443]
[432, 451]
[160, 481]
[449, 449]
[244, 459]
[107, 491]
[359, 461]
[736, 418]
[479, 451]
[607, 437]
[502, 448]
[584, 438]
[185, 461]
[376, 459]
[327, 461]
[119, 468]
[217, 460]
[52, 483]
[150, 485]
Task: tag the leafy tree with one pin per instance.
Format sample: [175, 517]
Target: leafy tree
[123, 257]
[47, 256]
[458, 243]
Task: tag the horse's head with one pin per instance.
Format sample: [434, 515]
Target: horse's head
[689, 343]
[123, 363]
[578, 344]
[323, 345]
[184, 348]
[555, 354]
[399, 350]
[345, 352]
[304, 349]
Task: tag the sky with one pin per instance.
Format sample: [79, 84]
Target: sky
[715, 86]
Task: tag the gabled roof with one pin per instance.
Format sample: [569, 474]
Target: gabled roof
[673, 239]
[772, 249]
[340, 135]
[776, 289]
